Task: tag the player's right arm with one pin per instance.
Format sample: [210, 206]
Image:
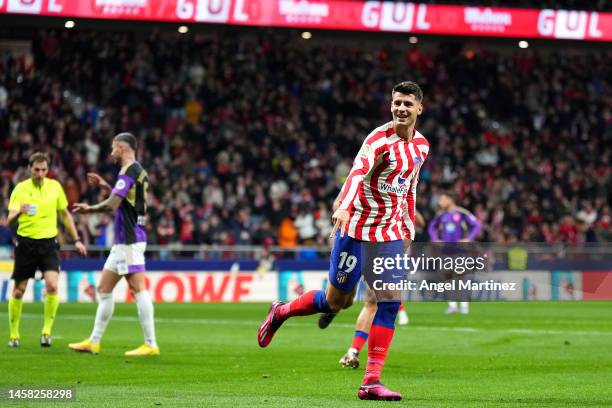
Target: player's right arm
[13, 215]
[433, 229]
[362, 165]
[16, 207]
[109, 205]
[336, 204]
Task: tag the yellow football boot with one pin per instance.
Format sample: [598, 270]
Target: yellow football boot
[85, 346]
[144, 350]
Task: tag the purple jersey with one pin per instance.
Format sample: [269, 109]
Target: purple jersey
[130, 217]
[453, 226]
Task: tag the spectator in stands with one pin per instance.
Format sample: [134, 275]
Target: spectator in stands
[523, 138]
[287, 234]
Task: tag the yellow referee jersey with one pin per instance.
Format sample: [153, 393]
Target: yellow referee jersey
[45, 201]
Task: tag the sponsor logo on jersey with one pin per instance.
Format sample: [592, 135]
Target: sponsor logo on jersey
[388, 188]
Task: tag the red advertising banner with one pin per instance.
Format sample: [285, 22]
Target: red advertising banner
[338, 15]
[597, 285]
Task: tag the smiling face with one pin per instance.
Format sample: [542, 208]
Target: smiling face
[405, 109]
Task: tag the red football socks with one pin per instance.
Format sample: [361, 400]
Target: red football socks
[378, 346]
[307, 304]
[359, 340]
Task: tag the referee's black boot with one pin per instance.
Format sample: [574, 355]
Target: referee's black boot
[45, 340]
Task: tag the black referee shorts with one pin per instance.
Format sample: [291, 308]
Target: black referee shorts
[32, 254]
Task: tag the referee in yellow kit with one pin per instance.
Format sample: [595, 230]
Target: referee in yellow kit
[34, 203]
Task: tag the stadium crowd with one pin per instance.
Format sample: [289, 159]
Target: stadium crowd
[247, 138]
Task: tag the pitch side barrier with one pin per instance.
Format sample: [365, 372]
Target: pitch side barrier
[532, 256]
[313, 265]
[428, 272]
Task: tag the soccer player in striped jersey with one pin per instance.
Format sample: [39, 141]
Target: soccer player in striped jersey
[453, 224]
[369, 224]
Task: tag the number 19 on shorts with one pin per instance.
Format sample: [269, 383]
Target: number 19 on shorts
[346, 261]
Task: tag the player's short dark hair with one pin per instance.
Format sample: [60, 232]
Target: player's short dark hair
[409, 88]
[39, 157]
[128, 138]
[450, 194]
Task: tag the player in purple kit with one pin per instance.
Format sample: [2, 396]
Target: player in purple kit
[453, 224]
[128, 200]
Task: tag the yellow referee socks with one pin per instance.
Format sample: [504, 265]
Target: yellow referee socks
[51, 304]
[14, 312]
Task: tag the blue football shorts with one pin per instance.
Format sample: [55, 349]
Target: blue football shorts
[350, 259]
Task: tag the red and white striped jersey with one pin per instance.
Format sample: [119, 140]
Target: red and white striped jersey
[382, 186]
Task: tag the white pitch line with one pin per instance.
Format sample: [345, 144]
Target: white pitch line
[255, 323]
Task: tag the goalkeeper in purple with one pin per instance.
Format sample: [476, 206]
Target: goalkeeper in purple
[453, 224]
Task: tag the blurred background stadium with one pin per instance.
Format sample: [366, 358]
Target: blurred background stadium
[249, 114]
[249, 132]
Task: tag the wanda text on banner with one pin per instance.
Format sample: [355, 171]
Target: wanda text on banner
[339, 15]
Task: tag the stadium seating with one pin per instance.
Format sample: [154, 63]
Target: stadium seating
[242, 134]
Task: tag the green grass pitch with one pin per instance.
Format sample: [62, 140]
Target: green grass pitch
[501, 355]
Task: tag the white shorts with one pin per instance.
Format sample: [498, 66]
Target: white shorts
[126, 258]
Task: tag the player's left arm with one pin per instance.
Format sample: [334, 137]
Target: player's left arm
[408, 226]
[409, 209]
[475, 226]
[404, 226]
[418, 221]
